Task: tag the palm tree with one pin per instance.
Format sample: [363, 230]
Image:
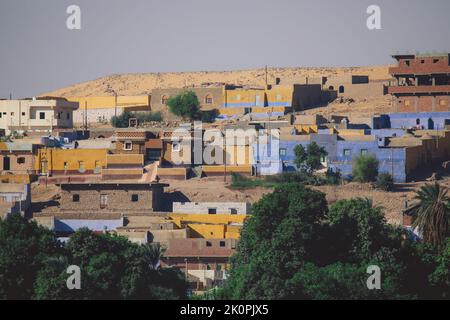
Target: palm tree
[432, 213]
[153, 253]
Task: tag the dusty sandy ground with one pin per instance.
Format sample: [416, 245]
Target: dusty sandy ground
[214, 189]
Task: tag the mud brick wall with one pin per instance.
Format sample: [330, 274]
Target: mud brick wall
[119, 198]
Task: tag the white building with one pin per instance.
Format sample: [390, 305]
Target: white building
[36, 115]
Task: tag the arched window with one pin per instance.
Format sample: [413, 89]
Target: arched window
[208, 99]
[417, 121]
[164, 99]
[331, 88]
[341, 89]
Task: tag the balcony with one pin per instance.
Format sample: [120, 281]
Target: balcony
[418, 89]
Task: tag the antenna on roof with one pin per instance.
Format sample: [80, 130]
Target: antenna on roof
[10, 96]
[266, 75]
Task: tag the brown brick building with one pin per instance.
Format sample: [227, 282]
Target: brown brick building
[422, 83]
[121, 198]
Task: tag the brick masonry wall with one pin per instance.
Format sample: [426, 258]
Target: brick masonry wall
[119, 198]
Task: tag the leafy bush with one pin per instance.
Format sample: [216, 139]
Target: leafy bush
[209, 116]
[185, 105]
[384, 182]
[365, 168]
[309, 159]
[122, 121]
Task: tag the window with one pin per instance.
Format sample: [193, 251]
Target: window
[12, 113]
[282, 151]
[212, 210]
[128, 145]
[341, 89]
[0, 114]
[134, 198]
[408, 63]
[21, 160]
[42, 115]
[81, 166]
[164, 99]
[422, 61]
[442, 102]
[323, 159]
[68, 116]
[233, 211]
[23, 113]
[76, 198]
[103, 201]
[97, 168]
[208, 244]
[66, 165]
[208, 99]
[407, 103]
[222, 243]
[435, 60]
[417, 121]
[347, 152]
[364, 152]
[176, 147]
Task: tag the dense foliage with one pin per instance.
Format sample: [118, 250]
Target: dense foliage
[122, 121]
[384, 181]
[309, 159]
[365, 168]
[33, 265]
[239, 181]
[295, 247]
[185, 105]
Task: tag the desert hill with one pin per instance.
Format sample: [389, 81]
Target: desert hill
[143, 83]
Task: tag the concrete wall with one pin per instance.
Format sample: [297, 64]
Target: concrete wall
[25, 115]
[203, 207]
[429, 120]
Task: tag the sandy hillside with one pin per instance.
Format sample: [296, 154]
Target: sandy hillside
[143, 83]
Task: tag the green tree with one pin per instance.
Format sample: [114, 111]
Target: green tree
[365, 168]
[33, 265]
[384, 182]
[185, 105]
[275, 242]
[432, 213]
[294, 248]
[24, 248]
[309, 159]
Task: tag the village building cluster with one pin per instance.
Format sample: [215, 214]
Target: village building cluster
[115, 180]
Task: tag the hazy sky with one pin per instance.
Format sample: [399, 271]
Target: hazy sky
[38, 53]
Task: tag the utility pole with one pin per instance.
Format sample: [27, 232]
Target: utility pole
[266, 75]
[224, 155]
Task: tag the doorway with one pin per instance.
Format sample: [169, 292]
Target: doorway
[6, 163]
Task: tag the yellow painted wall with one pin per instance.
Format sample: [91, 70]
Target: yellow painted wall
[56, 158]
[229, 169]
[207, 218]
[207, 231]
[103, 102]
[306, 129]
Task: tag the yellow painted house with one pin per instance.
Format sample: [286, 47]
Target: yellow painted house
[70, 161]
[217, 226]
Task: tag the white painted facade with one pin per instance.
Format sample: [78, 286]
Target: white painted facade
[36, 115]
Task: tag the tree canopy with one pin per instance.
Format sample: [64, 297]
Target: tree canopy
[296, 247]
[33, 265]
[309, 159]
[185, 105]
